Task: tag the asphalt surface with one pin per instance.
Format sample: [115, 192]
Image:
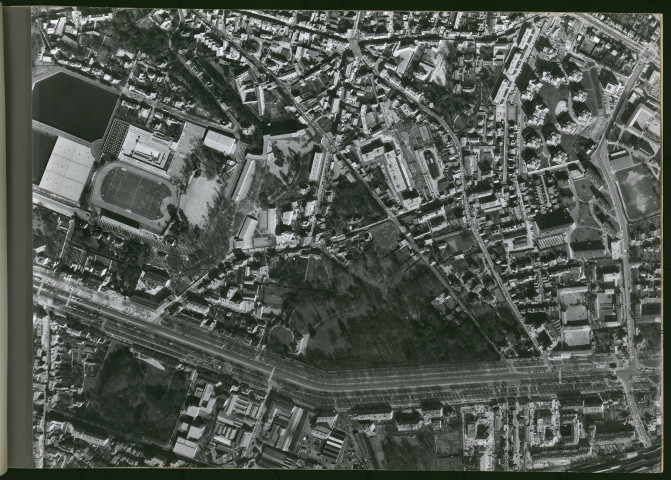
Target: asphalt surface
[357, 381]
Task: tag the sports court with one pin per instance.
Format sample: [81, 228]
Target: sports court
[135, 194]
[130, 191]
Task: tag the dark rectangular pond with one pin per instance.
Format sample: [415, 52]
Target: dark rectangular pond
[43, 145]
[73, 105]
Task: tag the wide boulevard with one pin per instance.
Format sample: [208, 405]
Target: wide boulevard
[364, 383]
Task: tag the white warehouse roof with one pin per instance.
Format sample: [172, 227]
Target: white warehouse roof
[68, 169]
[220, 142]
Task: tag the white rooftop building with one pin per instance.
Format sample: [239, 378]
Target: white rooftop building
[68, 169]
[220, 142]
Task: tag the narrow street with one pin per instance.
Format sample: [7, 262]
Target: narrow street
[470, 221]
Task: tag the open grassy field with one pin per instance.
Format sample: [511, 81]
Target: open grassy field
[293, 157]
[582, 188]
[130, 191]
[449, 445]
[131, 395]
[409, 452]
[403, 452]
[594, 81]
[198, 198]
[552, 95]
[640, 191]
[449, 442]
[280, 178]
[593, 93]
[375, 312]
[460, 242]
[567, 143]
[584, 234]
[280, 339]
[583, 216]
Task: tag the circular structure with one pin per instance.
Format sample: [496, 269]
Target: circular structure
[134, 193]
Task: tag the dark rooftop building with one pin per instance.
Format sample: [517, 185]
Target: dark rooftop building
[554, 220]
[273, 458]
[155, 275]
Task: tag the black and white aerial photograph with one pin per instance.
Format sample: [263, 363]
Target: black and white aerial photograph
[373, 240]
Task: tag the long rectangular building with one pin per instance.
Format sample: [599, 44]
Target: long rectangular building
[244, 181]
[397, 171]
[316, 168]
[503, 91]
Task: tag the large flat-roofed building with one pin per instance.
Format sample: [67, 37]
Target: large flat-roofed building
[645, 118]
[220, 142]
[373, 413]
[68, 169]
[334, 445]
[526, 37]
[185, 448]
[268, 221]
[244, 405]
[515, 64]
[141, 148]
[577, 336]
[293, 429]
[274, 458]
[373, 150]
[397, 171]
[556, 221]
[604, 303]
